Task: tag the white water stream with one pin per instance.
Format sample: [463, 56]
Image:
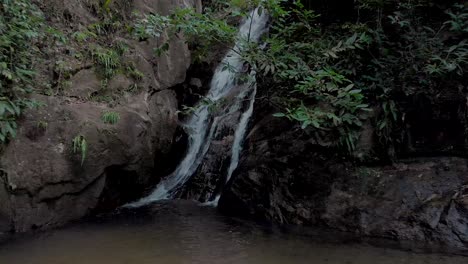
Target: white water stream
[203, 123]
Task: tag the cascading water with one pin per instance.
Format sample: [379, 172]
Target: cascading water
[203, 123]
[238, 140]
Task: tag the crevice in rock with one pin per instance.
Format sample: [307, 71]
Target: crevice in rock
[121, 186]
[76, 193]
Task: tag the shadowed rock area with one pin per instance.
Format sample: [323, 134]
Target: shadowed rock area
[287, 179]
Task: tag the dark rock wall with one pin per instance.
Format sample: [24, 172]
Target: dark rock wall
[285, 178]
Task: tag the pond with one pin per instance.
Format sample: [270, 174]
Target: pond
[185, 232]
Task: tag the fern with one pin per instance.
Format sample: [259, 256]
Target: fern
[21, 25]
[134, 73]
[110, 118]
[82, 36]
[80, 146]
[108, 59]
[458, 18]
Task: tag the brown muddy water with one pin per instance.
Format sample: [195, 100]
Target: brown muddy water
[184, 232]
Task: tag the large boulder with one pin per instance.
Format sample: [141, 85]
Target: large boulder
[46, 179]
[420, 199]
[47, 182]
[285, 178]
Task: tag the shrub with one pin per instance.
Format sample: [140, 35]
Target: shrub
[20, 27]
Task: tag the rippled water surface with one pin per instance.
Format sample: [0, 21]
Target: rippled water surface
[184, 232]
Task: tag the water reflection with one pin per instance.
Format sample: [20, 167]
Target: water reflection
[183, 232]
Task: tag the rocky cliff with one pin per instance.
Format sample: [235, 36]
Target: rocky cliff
[285, 177]
[45, 181]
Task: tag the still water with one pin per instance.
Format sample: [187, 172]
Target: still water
[184, 232]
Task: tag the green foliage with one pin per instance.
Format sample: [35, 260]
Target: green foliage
[340, 102]
[63, 72]
[107, 59]
[151, 26]
[329, 77]
[134, 73]
[56, 35]
[211, 105]
[9, 112]
[386, 123]
[102, 98]
[106, 5]
[424, 46]
[110, 117]
[201, 30]
[458, 18]
[105, 27]
[99, 44]
[20, 24]
[301, 67]
[371, 4]
[243, 7]
[42, 125]
[403, 54]
[120, 47]
[83, 36]
[80, 146]
[411, 58]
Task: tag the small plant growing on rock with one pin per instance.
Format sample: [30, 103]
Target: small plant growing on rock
[110, 117]
[42, 125]
[134, 73]
[80, 146]
[106, 5]
[83, 36]
[121, 47]
[107, 59]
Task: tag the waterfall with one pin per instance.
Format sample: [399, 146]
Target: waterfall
[238, 142]
[203, 122]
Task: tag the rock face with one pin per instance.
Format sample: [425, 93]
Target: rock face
[209, 178]
[420, 200]
[283, 178]
[45, 181]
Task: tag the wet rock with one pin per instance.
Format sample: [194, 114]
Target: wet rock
[285, 178]
[209, 178]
